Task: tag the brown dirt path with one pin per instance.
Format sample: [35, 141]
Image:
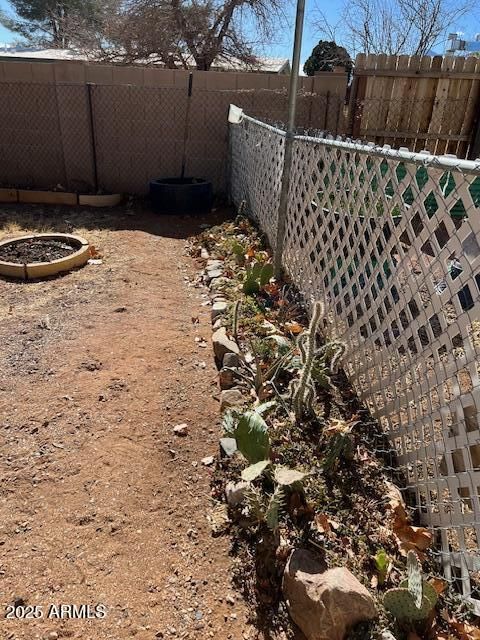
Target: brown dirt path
[99, 501]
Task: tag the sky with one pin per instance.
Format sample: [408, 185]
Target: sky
[282, 48]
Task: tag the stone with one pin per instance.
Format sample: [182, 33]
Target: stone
[214, 273]
[214, 264]
[231, 398]
[204, 253]
[324, 603]
[218, 309]
[222, 344]
[226, 379]
[228, 446]
[232, 360]
[208, 461]
[180, 429]
[217, 324]
[218, 283]
[235, 493]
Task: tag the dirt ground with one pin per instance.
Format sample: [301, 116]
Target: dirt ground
[100, 503]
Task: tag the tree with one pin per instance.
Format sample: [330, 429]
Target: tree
[47, 22]
[394, 27]
[325, 57]
[181, 32]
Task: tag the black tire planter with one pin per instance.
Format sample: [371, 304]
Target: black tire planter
[181, 195]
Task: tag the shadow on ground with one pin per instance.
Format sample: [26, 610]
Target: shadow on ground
[138, 216]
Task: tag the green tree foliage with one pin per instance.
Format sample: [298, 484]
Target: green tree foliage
[326, 56]
[48, 22]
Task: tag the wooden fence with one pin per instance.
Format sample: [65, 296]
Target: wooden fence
[418, 102]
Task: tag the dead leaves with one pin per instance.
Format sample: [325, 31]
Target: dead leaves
[407, 536]
[293, 327]
[439, 585]
[340, 427]
[325, 524]
[457, 630]
[465, 631]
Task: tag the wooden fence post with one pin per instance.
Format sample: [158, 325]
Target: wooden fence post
[474, 151]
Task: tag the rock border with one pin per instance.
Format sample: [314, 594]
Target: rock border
[35, 270]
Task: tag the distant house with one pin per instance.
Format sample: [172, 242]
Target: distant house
[456, 45]
[263, 64]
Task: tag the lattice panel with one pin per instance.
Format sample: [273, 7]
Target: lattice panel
[256, 169]
[392, 241]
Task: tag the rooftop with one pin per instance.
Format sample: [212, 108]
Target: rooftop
[264, 65]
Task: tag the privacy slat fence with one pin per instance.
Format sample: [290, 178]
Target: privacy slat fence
[420, 102]
[65, 123]
[391, 240]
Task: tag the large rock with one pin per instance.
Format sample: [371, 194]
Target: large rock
[222, 344]
[324, 603]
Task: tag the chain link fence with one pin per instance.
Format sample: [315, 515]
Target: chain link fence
[391, 240]
[116, 138]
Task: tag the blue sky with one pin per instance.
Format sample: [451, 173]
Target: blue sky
[283, 46]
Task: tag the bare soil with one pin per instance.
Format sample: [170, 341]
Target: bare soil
[35, 250]
[99, 501]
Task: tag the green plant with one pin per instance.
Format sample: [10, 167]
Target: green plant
[238, 251]
[235, 319]
[415, 599]
[268, 507]
[259, 378]
[257, 276]
[382, 563]
[326, 362]
[251, 434]
[341, 442]
[303, 391]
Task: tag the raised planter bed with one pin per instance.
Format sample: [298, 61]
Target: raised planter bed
[47, 197]
[24, 259]
[108, 200]
[8, 195]
[59, 198]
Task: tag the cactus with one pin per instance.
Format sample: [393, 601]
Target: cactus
[268, 508]
[303, 389]
[414, 579]
[257, 276]
[414, 600]
[251, 434]
[327, 360]
[235, 320]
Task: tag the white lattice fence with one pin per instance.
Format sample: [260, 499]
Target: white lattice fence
[391, 240]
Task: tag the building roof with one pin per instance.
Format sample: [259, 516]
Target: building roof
[264, 64]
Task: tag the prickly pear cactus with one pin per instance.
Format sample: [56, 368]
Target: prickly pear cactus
[401, 603]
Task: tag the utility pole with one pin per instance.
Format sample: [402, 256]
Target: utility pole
[287, 162]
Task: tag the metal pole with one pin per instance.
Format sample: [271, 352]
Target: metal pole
[187, 125]
[92, 136]
[287, 162]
